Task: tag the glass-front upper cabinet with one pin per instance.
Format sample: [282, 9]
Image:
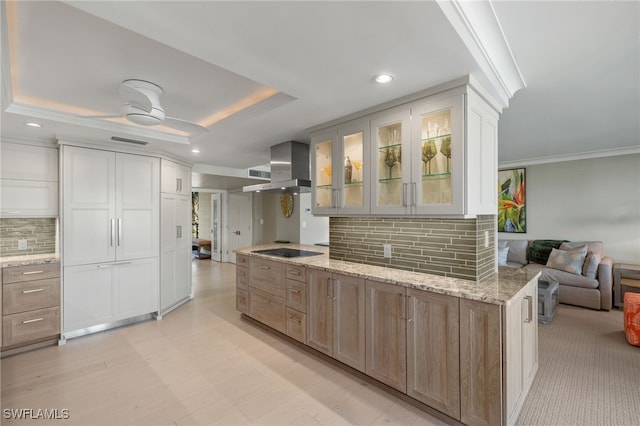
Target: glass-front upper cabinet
[340, 169]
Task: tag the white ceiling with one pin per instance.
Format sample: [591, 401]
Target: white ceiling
[580, 61]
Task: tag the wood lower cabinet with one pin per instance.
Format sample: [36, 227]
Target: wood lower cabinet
[320, 311]
[268, 309]
[349, 321]
[386, 334]
[433, 350]
[242, 284]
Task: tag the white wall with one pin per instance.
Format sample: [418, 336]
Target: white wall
[596, 199]
[204, 224]
[288, 228]
[313, 229]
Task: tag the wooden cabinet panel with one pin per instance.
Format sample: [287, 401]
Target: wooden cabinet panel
[18, 274]
[267, 309]
[267, 275]
[480, 363]
[297, 295]
[21, 297]
[386, 334]
[242, 301]
[349, 321]
[320, 311]
[242, 278]
[27, 327]
[242, 260]
[433, 355]
[297, 325]
[296, 272]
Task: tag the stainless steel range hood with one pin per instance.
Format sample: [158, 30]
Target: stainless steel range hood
[289, 169]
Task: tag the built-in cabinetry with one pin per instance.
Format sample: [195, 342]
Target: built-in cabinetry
[110, 236]
[28, 180]
[175, 235]
[435, 155]
[30, 304]
[242, 283]
[471, 360]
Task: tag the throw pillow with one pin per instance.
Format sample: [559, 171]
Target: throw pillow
[591, 263]
[567, 261]
[502, 256]
[539, 250]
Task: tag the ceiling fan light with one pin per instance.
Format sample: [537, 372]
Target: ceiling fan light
[139, 116]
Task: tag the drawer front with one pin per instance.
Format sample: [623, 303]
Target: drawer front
[242, 260]
[22, 297]
[267, 309]
[30, 326]
[297, 325]
[242, 301]
[242, 278]
[268, 276]
[19, 274]
[297, 273]
[297, 295]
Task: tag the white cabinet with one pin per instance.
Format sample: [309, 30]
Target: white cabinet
[175, 250]
[176, 178]
[340, 169]
[111, 206]
[103, 293]
[28, 180]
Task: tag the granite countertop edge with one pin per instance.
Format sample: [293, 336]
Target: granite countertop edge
[31, 259]
[499, 289]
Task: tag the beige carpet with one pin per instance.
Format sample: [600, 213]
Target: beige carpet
[588, 374]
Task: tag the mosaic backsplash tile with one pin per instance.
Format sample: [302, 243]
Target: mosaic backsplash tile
[447, 247]
[40, 234]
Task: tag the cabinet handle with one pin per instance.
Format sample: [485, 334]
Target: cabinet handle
[32, 320]
[410, 310]
[32, 291]
[266, 268]
[11, 212]
[529, 300]
[294, 291]
[414, 193]
[295, 273]
[296, 320]
[109, 265]
[177, 185]
[32, 272]
[113, 231]
[119, 231]
[404, 195]
[179, 231]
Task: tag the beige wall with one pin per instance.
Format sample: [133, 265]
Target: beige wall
[595, 199]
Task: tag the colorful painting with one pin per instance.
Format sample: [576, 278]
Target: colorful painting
[512, 211]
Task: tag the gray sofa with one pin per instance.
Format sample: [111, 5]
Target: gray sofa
[587, 288]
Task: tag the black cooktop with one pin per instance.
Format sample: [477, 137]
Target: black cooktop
[287, 252]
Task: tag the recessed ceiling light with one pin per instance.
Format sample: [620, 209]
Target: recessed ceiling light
[383, 78]
[32, 124]
[195, 151]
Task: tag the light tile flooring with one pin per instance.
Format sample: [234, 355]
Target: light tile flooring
[199, 365]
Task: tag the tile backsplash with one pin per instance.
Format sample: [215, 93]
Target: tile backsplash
[448, 247]
[40, 234]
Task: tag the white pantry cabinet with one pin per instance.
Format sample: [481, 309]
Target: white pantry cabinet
[176, 178]
[28, 180]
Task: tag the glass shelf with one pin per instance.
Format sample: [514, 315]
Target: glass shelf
[354, 183]
[323, 186]
[437, 176]
[386, 147]
[389, 180]
[433, 138]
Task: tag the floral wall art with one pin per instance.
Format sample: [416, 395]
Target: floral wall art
[512, 211]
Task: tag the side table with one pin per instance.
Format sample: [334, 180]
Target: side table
[625, 276]
[548, 300]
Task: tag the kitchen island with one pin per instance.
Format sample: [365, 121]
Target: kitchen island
[465, 348]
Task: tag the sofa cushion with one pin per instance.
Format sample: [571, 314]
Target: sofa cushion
[539, 250]
[567, 278]
[568, 261]
[517, 251]
[591, 263]
[596, 247]
[502, 256]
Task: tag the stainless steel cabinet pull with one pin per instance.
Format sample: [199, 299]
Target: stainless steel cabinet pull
[404, 194]
[179, 231]
[32, 320]
[32, 291]
[295, 291]
[414, 194]
[109, 265]
[32, 272]
[113, 231]
[295, 273]
[177, 185]
[529, 300]
[119, 231]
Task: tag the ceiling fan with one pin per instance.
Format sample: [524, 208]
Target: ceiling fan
[142, 106]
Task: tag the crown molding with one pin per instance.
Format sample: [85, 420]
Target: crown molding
[570, 157]
[477, 25]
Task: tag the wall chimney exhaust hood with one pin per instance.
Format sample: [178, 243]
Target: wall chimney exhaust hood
[289, 169]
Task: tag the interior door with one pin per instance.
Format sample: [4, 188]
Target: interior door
[216, 222]
[239, 222]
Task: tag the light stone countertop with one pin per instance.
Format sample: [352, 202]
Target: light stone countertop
[31, 259]
[497, 290]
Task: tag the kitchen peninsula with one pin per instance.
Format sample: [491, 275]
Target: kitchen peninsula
[468, 349]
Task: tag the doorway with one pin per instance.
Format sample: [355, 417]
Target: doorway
[239, 222]
[216, 226]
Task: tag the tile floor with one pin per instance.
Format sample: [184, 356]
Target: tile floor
[199, 365]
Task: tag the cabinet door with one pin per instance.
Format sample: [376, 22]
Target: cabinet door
[351, 168]
[175, 178]
[168, 245]
[88, 296]
[323, 191]
[433, 353]
[386, 334]
[28, 198]
[184, 180]
[137, 206]
[89, 222]
[480, 363]
[183, 248]
[28, 162]
[349, 320]
[437, 138]
[135, 288]
[391, 170]
[320, 311]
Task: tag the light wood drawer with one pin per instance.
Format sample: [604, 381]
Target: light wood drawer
[242, 260]
[296, 272]
[242, 301]
[30, 326]
[297, 295]
[21, 297]
[268, 276]
[18, 274]
[267, 309]
[242, 278]
[297, 325]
